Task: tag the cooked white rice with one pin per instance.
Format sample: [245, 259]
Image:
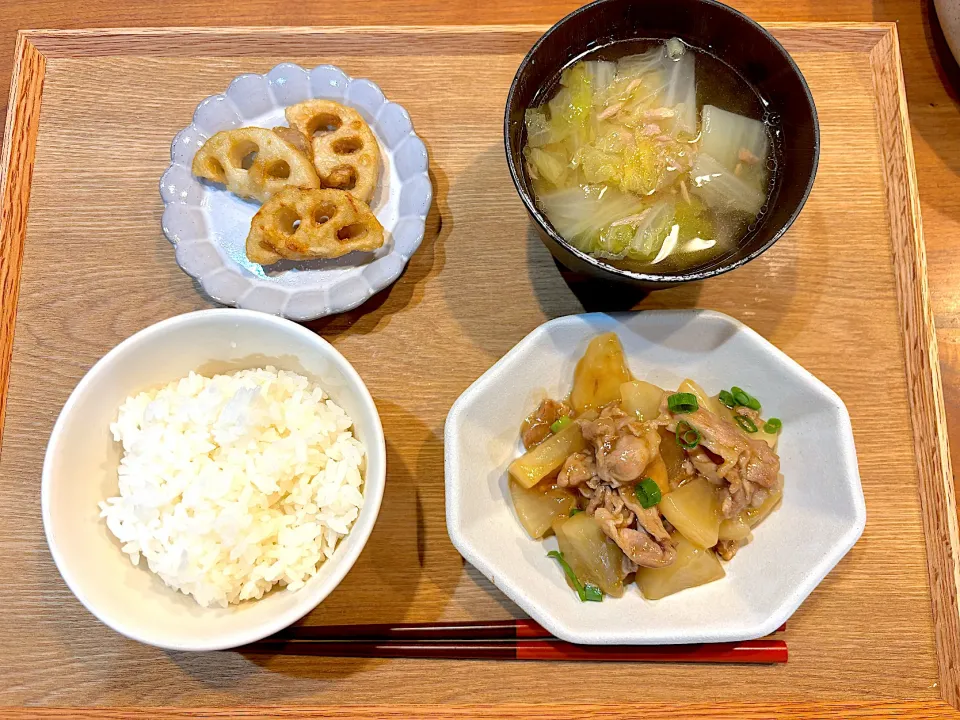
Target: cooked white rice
[232, 484]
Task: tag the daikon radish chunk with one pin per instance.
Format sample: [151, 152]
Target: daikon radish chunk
[708, 403]
[673, 456]
[735, 528]
[641, 398]
[599, 374]
[593, 556]
[537, 509]
[694, 510]
[547, 457]
[694, 566]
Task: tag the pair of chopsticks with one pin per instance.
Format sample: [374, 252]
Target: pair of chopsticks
[497, 640]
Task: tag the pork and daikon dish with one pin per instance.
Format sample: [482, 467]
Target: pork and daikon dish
[638, 482]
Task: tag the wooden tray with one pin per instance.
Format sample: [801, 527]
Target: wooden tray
[92, 115]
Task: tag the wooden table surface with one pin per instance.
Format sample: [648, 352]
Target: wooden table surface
[932, 80]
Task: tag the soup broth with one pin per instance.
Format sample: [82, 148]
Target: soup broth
[651, 155]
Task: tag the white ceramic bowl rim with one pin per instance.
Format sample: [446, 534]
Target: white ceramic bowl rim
[309, 596]
[569, 625]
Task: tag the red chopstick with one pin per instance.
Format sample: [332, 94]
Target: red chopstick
[520, 629]
[470, 630]
[750, 651]
[496, 640]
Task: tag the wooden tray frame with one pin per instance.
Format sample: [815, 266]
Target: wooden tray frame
[938, 502]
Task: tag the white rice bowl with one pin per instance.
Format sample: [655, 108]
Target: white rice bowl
[233, 484]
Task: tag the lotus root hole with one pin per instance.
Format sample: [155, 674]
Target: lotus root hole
[343, 177]
[287, 220]
[352, 232]
[325, 123]
[279, 169]
[215, 168]
[323, 213]
[347, 145]
[244, 154]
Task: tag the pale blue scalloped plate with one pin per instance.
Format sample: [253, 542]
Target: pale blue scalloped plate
[208, 226]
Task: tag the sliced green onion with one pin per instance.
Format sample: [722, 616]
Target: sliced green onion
[561, 424]
[741, 397]
[726, 397]
[745, 423]
[688, 437]
[682, 403]
[591, 593]
[575, 511]
[647, 492]
[772, 426]
[586, 593]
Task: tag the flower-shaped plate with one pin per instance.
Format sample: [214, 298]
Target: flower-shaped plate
[208, 225]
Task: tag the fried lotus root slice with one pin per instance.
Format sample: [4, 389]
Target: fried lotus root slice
[298, 224]
[345, 151]
[295, 138]
[253, 163]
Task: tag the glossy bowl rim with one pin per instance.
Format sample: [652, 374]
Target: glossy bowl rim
[649, 278]
[569, 625]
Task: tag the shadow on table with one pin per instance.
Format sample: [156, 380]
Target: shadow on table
[407, 291]
[588, 294]
[508, 252]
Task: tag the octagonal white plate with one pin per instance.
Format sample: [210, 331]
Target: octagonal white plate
[821, 517]
[208, 226]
